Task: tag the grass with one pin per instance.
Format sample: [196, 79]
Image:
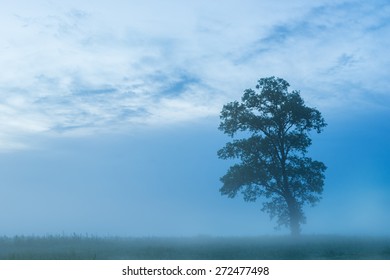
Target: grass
[197, 248]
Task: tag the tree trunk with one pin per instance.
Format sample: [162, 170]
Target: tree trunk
[294, 216]
[294, 226]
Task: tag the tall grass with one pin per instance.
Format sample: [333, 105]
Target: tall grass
[203, 248]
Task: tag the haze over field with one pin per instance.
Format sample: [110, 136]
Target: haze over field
[109, 112]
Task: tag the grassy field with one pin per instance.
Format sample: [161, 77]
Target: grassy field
[197, 248]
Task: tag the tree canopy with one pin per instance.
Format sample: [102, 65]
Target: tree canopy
[271, 129]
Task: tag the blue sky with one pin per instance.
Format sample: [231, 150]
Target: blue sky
[109, 112]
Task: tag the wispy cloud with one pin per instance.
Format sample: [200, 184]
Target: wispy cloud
[78, 67]
[331, 51]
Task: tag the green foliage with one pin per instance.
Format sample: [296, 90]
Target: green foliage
[273, 162]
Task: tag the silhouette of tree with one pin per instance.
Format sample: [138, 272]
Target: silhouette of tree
[272, 161]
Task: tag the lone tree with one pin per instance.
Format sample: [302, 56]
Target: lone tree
[272, 161]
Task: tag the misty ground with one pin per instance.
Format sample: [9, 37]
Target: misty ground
[197, 248]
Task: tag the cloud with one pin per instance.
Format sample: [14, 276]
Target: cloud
[77, 68]
[330, 52]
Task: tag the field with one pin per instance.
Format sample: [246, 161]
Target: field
[197, 248]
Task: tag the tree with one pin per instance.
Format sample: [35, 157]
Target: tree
[272, 161]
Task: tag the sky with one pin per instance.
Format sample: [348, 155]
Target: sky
[109, 112]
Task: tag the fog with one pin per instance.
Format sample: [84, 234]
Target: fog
[166, 183]
[109, 113]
